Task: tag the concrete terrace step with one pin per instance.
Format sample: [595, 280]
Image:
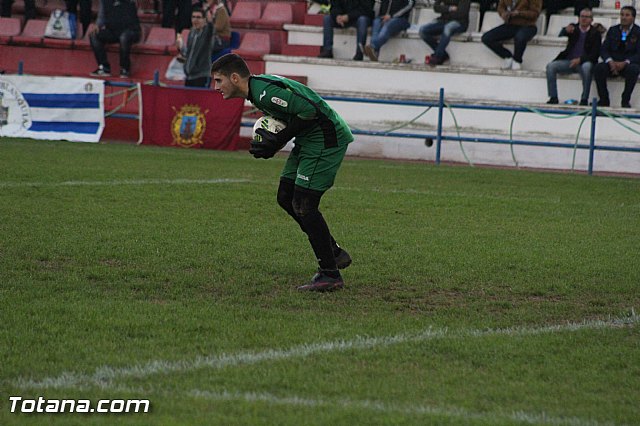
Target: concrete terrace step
[419, 80]
[465, 49]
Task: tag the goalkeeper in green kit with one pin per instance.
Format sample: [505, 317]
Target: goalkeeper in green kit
[321, 140]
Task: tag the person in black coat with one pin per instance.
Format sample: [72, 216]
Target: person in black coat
[117, 23]
[347, 13]
[29, 9]
[621, 57]
[581, 55]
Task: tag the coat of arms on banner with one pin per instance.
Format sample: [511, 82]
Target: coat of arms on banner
[188, 126]
[15, 116]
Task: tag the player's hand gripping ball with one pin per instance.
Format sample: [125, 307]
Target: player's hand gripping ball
[265, 142]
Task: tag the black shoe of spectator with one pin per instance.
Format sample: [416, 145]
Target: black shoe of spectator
[625, 104]
[553, 101]
[325, 53]
[124, 73]
[584, 102]
[436, 60]
[358, 56]
[603, 103]
[102, 71]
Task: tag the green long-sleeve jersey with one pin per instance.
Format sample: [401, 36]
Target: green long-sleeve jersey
[285, 99]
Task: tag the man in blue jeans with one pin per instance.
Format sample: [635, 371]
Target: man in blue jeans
[454, 19]
[391, 17]
[520, 18]
[344, 14]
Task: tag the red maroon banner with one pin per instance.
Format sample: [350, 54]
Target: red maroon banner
[189, 118]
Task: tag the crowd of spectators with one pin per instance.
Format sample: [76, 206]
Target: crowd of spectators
[118, 22]
[620, 50]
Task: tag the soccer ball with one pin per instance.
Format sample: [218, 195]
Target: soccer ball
[268, 123]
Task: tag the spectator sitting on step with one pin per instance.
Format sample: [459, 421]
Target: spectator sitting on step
[29, 9]
[621, 57]
[581, 55]
[346, 13]
[391, 17]
[117, 23]
[520, 17]
[197, 51]
[454, 19]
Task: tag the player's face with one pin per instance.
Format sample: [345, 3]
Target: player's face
[226, 85]
[197, 20]
[626, 18]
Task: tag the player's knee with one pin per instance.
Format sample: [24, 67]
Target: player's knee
[303, 208]
[305, 204]
[285, 195]
[284, 199]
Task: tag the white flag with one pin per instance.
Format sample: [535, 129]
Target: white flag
[51, 108]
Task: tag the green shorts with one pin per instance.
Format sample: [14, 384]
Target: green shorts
[312, 166]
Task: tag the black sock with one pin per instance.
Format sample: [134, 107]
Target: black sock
[320, 239]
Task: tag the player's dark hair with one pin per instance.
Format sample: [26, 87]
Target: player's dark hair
[630, 9]
[229, 64]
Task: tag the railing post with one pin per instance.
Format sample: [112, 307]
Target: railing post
[439, 132]
[20, 67]
[156, 78]
[592, 138]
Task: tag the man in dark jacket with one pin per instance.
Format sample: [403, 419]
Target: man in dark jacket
[391, 17]
[581, 55]
[453, 19]
[347, 13]
[117, 23]
[621, 55]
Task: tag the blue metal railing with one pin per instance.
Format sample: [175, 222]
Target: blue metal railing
[439, 136]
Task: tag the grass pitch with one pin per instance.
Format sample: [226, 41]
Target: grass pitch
[476, 296]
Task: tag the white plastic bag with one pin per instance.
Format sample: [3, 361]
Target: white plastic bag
[175, 70]
[61, 25]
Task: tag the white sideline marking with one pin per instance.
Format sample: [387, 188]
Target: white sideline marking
[553, 200]
[121, 182]
[72, 183]
[455, 412]
[104, 376]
